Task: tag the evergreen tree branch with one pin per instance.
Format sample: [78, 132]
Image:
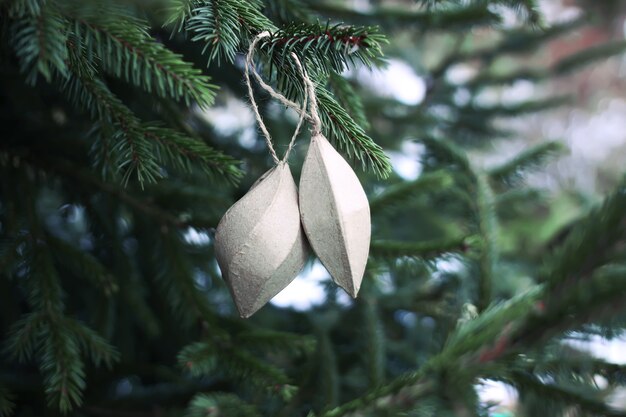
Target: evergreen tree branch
[424, 250]
[83, 264]
[397, 195]
[220, 404]
[457, 17]
[142, 146]
[349, 136]
[487, 226]
[588, 56]
[7, 406]
[348, 98]
[125, 49]
[39, 42]
[510, 171]
[526, 382]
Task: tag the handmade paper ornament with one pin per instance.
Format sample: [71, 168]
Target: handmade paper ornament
[335, 214]
[259, 243]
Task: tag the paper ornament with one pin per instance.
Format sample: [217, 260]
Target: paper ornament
[335, 214]
[259, 243]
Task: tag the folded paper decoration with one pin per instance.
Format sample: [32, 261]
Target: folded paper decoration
[259, 243]
[335, 214]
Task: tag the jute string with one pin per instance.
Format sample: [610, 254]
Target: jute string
[309, 95]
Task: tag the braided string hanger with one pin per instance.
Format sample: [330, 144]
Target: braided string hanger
[284, 100]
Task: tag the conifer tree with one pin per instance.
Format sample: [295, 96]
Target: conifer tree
[112, 183]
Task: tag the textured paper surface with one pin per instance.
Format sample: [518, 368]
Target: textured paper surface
[335, 214]
[259, 243]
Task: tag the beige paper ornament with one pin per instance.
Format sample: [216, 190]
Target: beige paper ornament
[259, 243]
[335, 214]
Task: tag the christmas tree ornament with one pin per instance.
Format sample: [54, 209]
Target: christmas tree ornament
[259, 243]
[334, 208]
[260, 246]
[335, 214]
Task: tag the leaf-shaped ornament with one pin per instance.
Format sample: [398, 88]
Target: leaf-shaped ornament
[335, 214]
[259, 243]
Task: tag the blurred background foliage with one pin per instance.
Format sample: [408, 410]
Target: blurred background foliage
[488, 136]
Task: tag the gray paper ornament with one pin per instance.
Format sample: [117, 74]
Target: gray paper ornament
[259, 243]
[335, 214]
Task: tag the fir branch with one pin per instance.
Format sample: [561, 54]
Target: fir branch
[587, 56]
[220, 404]
[39, 43]
[590, 243]
[216, 24]
[83, 264]
[272, 341]
[290, 10]
[422, 250]
[338, 125]
[396, 195]
[176, 279]
[219, 24]
[348, 98]
[126, 50]
[90, 342]
[7, 406]
[487, 226]
[510, 172]
[324, 48]
[62, 367]
[22, 340]
[21, 8]
[374, 338]
[135, 147]
[553, 393]
[463, 17]
[184, 153]
[207, 357]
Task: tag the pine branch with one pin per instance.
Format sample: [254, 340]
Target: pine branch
[83, 265]
[272, 341]
[176, 278]
[485, 208]
[348, 98]
[207, 357]
[588, 56]
[220, 404]
[133, 147]
[591, 242]
[21, 8]
[554, 393]
[219, 24]
[62, 367]
[422, 250]
[511, 171]
[216, 25]
[22, 340]
[323, 48]
[90, 342]
[290, 10]
[398, 195]
[125, 49]
[39, 42]
[7, 406]
[374, 338]
[338, 125]
[463, 17]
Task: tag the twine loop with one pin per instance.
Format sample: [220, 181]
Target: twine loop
[309, 98]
